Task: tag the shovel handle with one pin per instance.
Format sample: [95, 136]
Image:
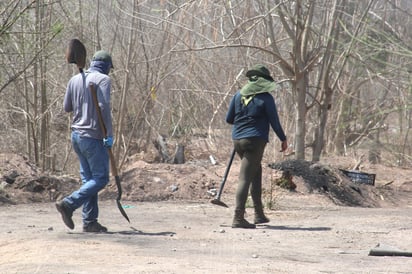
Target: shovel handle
[111, 155]
[103, 127]
[99, 113]
[222, 184]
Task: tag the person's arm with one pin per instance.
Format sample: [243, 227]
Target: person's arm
[104, 104]
[272, 113]
[67, 103]
[230, 116]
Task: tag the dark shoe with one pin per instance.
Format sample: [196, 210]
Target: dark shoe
[66, 213]
[261, 219]
[240, 222]
[94, 227]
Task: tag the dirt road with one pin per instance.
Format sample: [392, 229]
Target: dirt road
[305, 235]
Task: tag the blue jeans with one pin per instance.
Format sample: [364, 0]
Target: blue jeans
[94, 173]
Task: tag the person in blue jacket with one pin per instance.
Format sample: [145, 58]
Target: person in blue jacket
[88, 141]
[251, 111]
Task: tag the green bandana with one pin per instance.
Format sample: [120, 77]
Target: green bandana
[255, 86]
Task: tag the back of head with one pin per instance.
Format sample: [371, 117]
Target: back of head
[259, 71]
[101, 62]
[104, 56]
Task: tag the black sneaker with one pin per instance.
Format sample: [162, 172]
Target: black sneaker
[66, 213]
[242, 223]
[94, 227]
[261, 219]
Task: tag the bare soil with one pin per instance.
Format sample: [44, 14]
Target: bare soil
[327, 225]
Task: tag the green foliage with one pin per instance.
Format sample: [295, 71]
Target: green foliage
[57, 28]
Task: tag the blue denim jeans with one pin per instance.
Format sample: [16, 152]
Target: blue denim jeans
[94, 173]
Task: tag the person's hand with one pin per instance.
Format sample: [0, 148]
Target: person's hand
[284, 146]
[108, 142]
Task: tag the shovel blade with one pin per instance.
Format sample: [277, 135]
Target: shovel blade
[218, 202]
[76, 53]
[119, 205]
[119, 196]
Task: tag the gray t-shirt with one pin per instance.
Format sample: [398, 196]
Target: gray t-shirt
[78, 99]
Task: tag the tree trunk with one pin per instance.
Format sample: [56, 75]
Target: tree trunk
[300, 118]
[374, 153]
[123, 105]
[179, 157]
[319, 141]
[35, 91]
[324, 76]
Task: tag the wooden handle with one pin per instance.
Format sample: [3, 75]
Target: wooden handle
[99, 113]
[102, 125]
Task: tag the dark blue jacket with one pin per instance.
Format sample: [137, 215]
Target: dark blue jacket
[253, 120]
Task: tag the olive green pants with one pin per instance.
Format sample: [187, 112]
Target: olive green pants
[251, 152]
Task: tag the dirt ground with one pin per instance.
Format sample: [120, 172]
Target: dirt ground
[195, 237]
[327, 225]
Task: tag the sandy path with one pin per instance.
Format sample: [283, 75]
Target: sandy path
[305, 236]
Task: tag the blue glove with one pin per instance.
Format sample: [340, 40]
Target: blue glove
[108, 141]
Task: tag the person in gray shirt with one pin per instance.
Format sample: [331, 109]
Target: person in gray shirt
[88, 141]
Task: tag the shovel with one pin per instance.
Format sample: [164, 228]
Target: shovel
[76, 54]
[112, 159]
[217, 201]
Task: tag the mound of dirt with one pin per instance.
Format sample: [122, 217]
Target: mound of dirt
[22, 182]
[144, 181]
[318, 178]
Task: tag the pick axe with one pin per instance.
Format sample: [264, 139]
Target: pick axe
[217, 201]
[76, 54]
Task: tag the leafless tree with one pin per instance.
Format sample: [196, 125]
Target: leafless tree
[341, 67]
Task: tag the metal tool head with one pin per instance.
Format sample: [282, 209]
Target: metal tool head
[119, 194]
[76, 53]
[120, 207]
[218, 202]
